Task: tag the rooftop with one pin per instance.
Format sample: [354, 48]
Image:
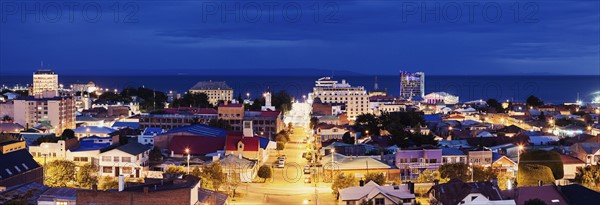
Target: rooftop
[211, 85]
[199, 129]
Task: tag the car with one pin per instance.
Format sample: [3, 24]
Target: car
[307, 170]
[307, 179]
[280, 161]
[282, 156]
[280, 165]
[304, 140]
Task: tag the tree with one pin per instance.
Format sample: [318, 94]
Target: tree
[535, 201]
[280, 146]
[494, 104]
[7, 118]
[534, 101]
[429, 176]
[192, 100]
[503, 179]
[212, 176]
[378, 178]
[313, 122]
[589, 176]
[59, 173]
[265, 172]
[155, 155]
[549, 159]
[107, 182]
[342, 181]
[282, 101]
[220, 123]
[455, 170]
[347, 138]
[196, 172]
[483, 174]
[87, 175]
[68, 134]
[290, 126]
[530, 174]
[282, 136]
[172, 169]
[367, 122]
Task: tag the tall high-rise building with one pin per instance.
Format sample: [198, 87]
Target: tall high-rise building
[45, 83]
[355, 98]
[412, 84]
[56, 114]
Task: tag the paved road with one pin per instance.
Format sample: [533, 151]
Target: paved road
[287, 186]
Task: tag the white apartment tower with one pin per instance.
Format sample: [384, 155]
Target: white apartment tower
[45, 83]
[412, 84]
[356, 98]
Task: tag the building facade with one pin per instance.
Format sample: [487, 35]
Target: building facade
[216, 91]
[412, 84]
[332, 91]
[59, 112]
[44, 82]
[412, 162]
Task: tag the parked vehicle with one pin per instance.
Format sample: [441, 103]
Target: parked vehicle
[280, 165]
[306, 170]
[307, 179]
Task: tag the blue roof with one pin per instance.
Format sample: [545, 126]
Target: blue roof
[432, 118]
[94, 129]
[151, 130]
[94, 137]
[447, 151]
[132, 125]
[264, 142]
[496, 156]
[199, 129]
[90, 145]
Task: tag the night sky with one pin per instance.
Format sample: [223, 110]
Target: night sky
[367, 37]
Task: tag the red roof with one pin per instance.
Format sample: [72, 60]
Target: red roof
[269, 113]
[198, 145]
[190, 110]
[231, 105]
[250, 143]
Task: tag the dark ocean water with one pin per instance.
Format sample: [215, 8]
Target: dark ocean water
[554, 89]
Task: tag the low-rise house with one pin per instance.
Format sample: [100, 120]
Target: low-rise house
[85, 120]
[510, 130]
[239, 168]
[459, 144]
[357, 166]
[543, 140]
[329, 132]
[413, 161]
[456, 192]
[377, 194]
[588, 152]
[31, 191]
[251, 147]
[53, 150]
[191, 132]
[453, 155]
[9, 127]
[480, 157]
[577, 194]
[503, 164]
[58, 196]
[172, 191]
[548, 194]
[509, 150]
[88, 150]
[147, 136]
[130, 160]
[86, 131]
[570, 165]
[17, 166]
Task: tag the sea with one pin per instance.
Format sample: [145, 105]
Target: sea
[552, 89]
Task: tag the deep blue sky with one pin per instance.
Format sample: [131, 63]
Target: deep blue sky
[370, 37]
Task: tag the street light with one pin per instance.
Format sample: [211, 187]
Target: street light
[187, 151]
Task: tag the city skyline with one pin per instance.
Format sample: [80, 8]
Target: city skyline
[375, 38]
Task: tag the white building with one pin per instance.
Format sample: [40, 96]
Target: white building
[87, 131]
[444, 97]
[412, 84]
[44, 80]
[216, 91]
[130, 160]
[376, 194]
[147, 136]
[332, 91]
[59, 112]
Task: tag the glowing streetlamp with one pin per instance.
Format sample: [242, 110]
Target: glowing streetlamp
[187, 151]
